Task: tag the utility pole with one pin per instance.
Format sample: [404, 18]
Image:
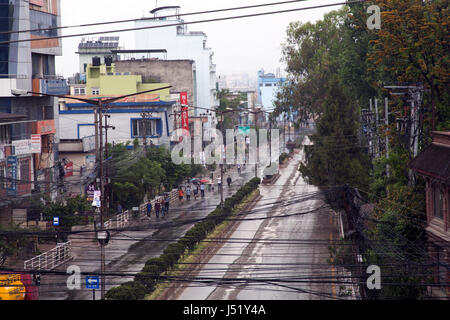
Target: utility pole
[386, 122]
[377, 140]
[145, 115]
[221, 162]
[102, 202]
[257, 146]
[106, 126]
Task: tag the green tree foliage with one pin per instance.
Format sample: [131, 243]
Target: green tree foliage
[336, 158]
[12, 240]
[136, 173]
[322, 75]
[69, 213]
[398, 243]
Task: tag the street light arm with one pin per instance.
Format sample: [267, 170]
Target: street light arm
[134, 94]
[90, 101]
[95, 101]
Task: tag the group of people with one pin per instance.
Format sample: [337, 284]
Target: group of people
[188, 191]
[161, 206]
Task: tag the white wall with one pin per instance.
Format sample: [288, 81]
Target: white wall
[182, 47]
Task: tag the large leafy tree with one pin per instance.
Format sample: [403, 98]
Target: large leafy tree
[412, 46]
[320, 71]
[336, 157]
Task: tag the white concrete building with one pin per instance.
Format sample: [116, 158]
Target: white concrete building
[181, 44]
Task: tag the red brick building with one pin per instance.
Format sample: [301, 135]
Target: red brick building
[433, 164]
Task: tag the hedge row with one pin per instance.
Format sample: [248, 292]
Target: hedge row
[146, 281]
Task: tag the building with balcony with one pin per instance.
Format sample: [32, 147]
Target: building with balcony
[29, 66]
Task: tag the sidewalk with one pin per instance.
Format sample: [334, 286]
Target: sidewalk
[128, 250]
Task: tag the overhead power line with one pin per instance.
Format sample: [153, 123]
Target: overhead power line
[184, 23]
[153, 18]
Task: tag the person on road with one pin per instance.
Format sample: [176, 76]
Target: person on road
[196, 192]
[180, 194]
[157, 208]
[163, 208]
[229, 181]
[239, 168]
[202, 189]
[166, 203]
[188, 192]
[149, 209]
[219, 184]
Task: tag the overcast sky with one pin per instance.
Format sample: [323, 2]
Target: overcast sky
[242, 45]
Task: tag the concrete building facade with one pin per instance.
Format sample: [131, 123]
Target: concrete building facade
[181, 44]
[29, 145]
[268, 87]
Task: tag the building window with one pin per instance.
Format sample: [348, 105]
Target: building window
[144, 128]
[5, 134]
[95, 91]
[438, 203]
[25, 171]
[79, 91]
[268, 84]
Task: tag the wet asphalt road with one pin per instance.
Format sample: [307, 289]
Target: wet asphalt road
[276, 257]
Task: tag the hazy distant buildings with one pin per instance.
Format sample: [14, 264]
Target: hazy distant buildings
[268, 87]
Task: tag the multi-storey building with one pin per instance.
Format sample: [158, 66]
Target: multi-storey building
[181, 44]
[268, 87]
[27, 64]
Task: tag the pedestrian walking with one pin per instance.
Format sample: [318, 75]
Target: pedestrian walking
[188, 193]
[163, 208]
[180, 193]
[239, 168]
[166, 203]
[219, 184]
[202, 189]
[157, 208]
[229, 181]
[149, 209]
[195, 192]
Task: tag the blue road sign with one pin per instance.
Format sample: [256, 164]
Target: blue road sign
[92, 282]
[55, 221]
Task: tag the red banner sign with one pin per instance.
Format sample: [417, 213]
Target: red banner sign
[185, 118]
[183, 98]
[68, 168]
